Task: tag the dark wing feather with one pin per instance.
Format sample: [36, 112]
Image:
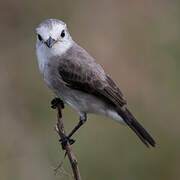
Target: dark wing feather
[88, 80]
[113, 92]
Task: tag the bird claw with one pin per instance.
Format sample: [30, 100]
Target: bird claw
[55, 102]
[65, 140]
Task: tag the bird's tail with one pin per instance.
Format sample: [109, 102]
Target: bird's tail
[136, 127]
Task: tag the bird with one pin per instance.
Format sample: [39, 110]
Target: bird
[78, 80]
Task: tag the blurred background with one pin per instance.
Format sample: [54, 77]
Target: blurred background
[137, 42]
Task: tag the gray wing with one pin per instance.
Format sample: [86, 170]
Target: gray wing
[81, 72]
[88, 77]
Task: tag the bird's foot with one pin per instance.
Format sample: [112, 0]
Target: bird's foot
[65, 140]
[55, 102]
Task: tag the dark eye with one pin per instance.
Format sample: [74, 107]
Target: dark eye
[62, 33]
[39, 37]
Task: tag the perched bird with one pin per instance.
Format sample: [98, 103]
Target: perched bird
[77, 79]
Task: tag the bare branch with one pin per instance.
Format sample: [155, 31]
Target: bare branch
[62, 134]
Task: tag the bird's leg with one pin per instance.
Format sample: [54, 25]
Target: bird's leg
[57, 101]
[83, 119]
[63, 141]
[54, 104]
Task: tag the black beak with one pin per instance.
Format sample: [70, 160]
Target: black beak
[50, 42]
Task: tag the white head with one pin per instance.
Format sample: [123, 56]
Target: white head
[53, 37]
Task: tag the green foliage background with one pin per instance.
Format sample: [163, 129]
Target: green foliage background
[138, 44]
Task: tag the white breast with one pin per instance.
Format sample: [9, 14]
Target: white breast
[43, 58]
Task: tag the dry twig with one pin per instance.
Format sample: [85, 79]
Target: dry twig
[62, 134]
